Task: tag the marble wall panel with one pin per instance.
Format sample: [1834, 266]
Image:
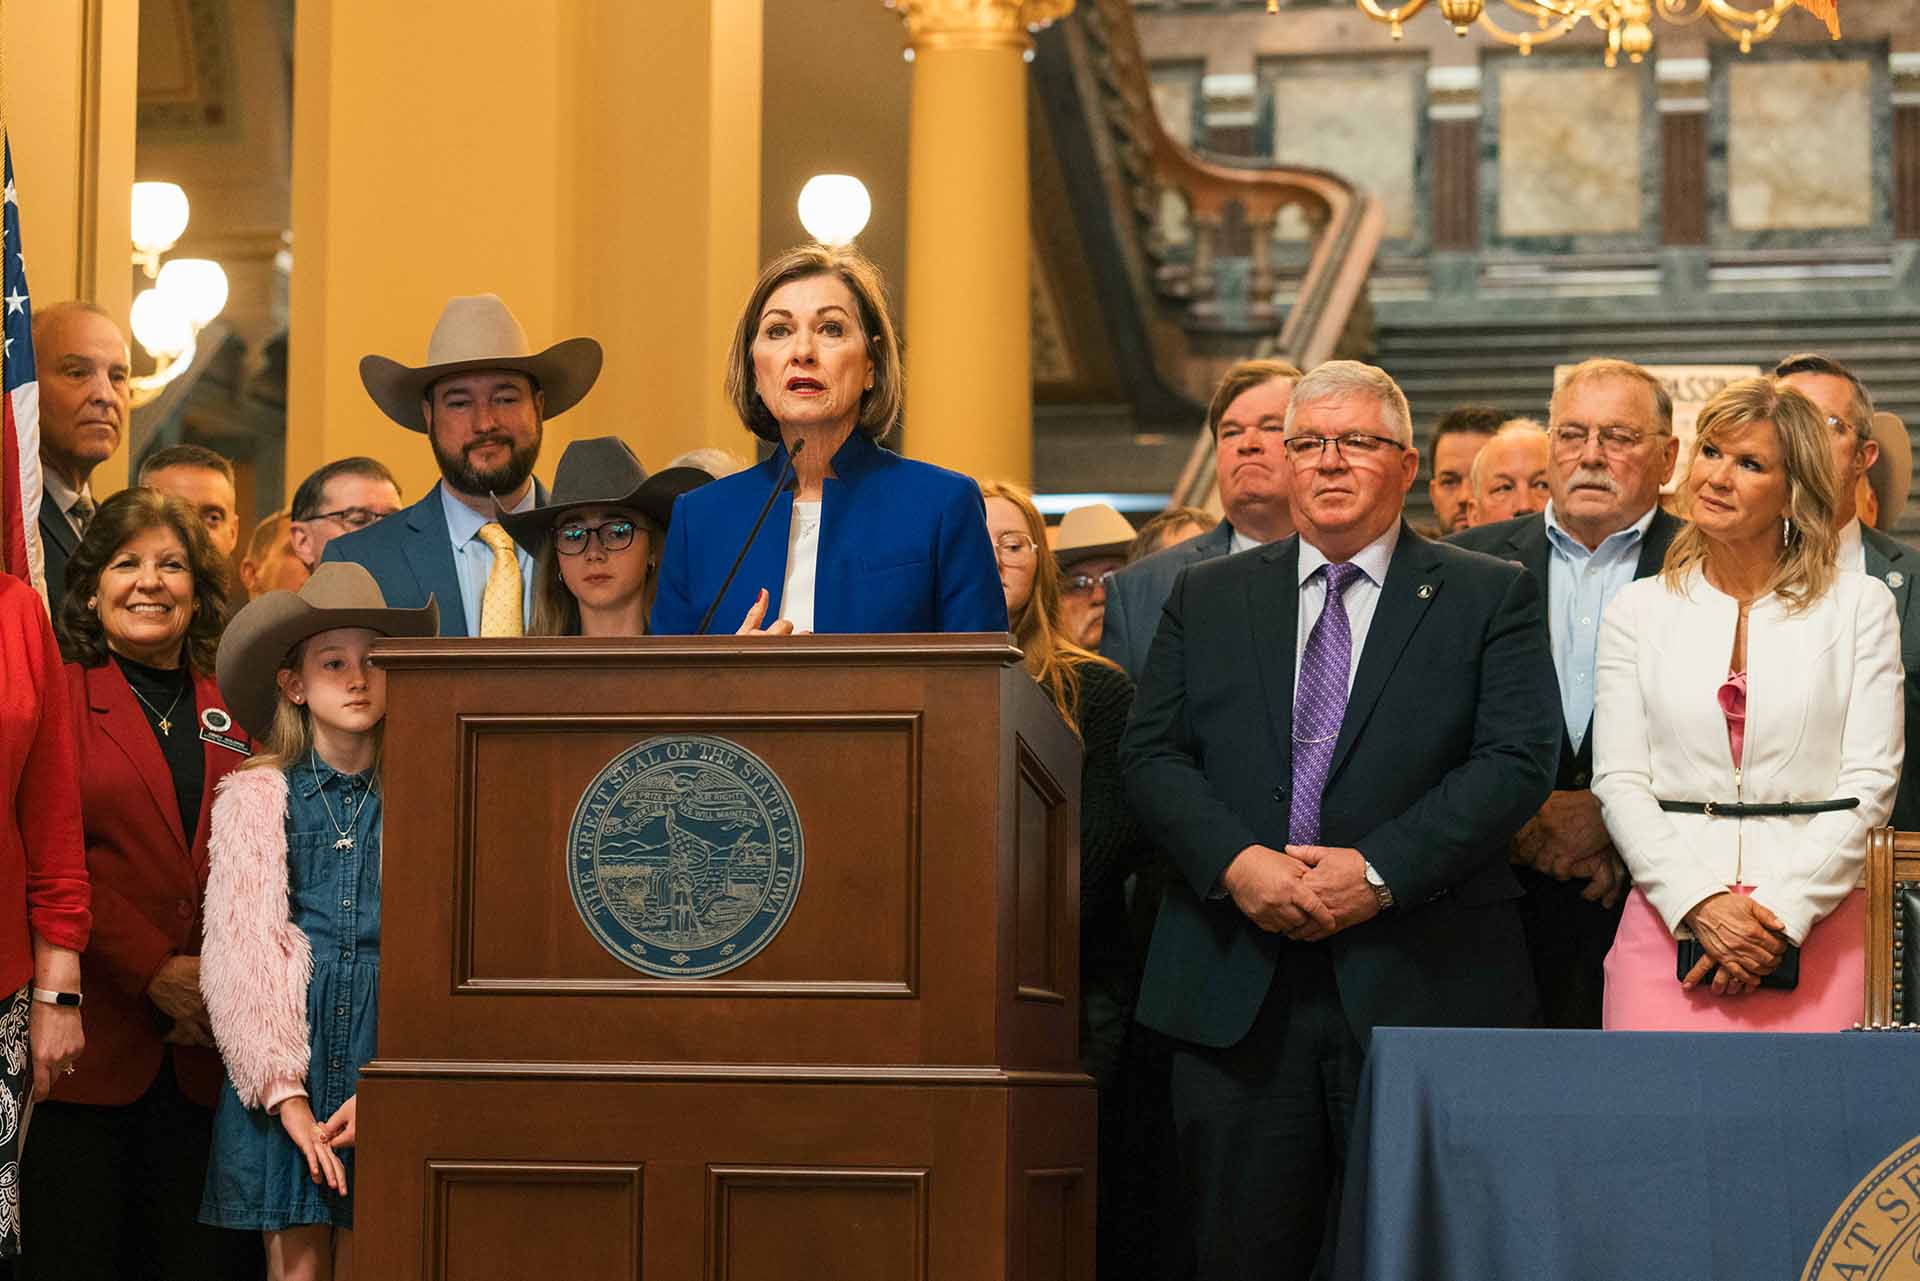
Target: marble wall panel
[1360, 118]
[1776, 180]
[1571, 154]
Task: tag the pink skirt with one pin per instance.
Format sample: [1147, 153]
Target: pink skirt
[1643, 994]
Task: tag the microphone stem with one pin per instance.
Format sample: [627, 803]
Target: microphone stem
[786, 473]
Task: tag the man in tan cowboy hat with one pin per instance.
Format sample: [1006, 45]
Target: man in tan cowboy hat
[481, 400]
[1091, 542]
[1857, 445]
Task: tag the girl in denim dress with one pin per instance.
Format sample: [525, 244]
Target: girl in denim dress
[291, 966]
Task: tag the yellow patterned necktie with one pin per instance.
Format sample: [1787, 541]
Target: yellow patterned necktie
[500, 602]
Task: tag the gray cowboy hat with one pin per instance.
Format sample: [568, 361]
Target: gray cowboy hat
[1093, 532]
[340, 594]
[601, 472]
[1891, 475]
[478, 332]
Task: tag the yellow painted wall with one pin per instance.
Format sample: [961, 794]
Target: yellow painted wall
[595, 164]
[67, 82]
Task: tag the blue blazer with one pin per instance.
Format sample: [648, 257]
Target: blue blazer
[903, 548]
[410, 555]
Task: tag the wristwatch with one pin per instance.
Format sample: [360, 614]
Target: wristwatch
[1380, 890]
[48, 997]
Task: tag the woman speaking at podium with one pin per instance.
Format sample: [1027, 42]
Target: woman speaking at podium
[832, 533]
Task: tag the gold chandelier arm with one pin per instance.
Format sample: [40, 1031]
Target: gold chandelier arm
[1552, 10]
[1767, 16]
[1526, 40]
[1677, 13]
[1392, 17]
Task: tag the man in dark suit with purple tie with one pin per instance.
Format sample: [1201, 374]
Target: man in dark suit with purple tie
[1335, 740]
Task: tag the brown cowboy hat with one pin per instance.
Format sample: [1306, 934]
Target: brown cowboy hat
[1891, 475]
[1093, 532]
[601, 472]
[478, 332]
[340, 594]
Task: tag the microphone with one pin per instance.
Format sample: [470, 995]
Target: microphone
[786, 474]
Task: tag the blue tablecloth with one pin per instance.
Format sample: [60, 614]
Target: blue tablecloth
[1484, 1155]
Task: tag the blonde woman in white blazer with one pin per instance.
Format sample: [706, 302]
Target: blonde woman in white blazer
[1751, 672]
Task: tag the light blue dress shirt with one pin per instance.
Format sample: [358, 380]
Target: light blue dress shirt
[1362, 597]
[1580, 583]
[473, 559]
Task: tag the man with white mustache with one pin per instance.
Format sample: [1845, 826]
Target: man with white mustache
[1611, 427]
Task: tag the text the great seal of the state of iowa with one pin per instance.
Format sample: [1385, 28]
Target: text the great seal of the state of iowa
[1875, 1234]
[684, 856]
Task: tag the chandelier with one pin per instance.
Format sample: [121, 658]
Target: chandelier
[1628, 24]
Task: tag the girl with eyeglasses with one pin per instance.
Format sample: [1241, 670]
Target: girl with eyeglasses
[597, 544]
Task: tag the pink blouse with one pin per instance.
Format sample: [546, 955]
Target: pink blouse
[1733, 705]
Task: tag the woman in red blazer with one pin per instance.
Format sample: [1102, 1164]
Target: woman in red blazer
[120, 1152]
[43, 929]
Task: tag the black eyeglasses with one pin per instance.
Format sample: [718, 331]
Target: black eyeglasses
[614, 536]
[353, 517]
[1348, 444]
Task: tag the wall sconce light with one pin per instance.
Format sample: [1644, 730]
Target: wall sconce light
[186, 295]
[834, 208]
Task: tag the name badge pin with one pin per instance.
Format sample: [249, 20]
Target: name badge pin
[1425, 592]
[216, 719]
[1895, 579]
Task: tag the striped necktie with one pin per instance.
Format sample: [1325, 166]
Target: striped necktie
[500, 603]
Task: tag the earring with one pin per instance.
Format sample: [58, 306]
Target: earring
[93, 602]
[1786, 529]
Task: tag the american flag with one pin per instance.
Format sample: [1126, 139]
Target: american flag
[20, 553]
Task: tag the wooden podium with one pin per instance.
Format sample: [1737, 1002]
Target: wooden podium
[887, 1088]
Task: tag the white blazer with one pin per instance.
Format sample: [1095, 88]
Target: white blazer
[1824, 720]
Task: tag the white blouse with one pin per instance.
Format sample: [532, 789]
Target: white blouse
[803, 562]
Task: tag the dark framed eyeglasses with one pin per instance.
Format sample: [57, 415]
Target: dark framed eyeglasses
[1348, 444]
[353, 517]
[614, 536]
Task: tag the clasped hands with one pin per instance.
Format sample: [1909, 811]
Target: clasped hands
[1568, 841]
[1743, 942]
[1307, 892]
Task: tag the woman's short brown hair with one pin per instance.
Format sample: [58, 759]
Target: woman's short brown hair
[122, 517]
[880, 406]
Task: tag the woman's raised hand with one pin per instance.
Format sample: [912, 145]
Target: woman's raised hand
[751, 627]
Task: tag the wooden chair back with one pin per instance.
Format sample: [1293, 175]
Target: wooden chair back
[1893, 871]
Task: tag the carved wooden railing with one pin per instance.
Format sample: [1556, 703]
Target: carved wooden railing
[1148, 168]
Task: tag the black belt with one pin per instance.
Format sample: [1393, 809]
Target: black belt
[1761, 809]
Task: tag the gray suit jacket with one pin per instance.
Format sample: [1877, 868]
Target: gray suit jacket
[1137, 594]
[1895, 564]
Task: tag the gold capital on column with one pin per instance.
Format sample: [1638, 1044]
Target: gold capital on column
[976, 24]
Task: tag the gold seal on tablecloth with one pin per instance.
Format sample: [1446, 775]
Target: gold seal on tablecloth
[1875, 1234]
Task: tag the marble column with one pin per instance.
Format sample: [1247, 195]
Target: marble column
[1453, 149]
[1904, 66]
[1682, 101]
[968, 323]
[68, 100]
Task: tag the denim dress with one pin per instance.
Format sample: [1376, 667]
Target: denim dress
[256, 1177]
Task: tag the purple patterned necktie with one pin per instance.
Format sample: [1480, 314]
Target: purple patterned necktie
[1319, 703]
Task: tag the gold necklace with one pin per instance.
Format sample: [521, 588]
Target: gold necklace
[166, 725]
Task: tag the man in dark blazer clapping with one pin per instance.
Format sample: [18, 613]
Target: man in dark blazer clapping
[1335, 740]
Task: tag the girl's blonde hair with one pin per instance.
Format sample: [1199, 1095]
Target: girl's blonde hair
[1807, 563]
[1053, 661]
[556, 612]
[289, 739]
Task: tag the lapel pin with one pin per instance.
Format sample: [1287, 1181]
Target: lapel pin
[216, 720]
[1895, 579]
[1425, 592]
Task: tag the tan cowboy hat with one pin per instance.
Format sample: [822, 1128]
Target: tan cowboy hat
[1093, 532]
[1891, 475]
[478, 332]
[340, 594]
[601, 472]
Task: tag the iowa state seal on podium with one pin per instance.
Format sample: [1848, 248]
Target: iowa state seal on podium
[684, 856]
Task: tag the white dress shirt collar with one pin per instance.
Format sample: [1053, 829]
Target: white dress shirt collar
[1851, 550]
[1372, 559]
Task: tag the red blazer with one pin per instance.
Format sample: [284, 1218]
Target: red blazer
[149, 881]
[41, 864]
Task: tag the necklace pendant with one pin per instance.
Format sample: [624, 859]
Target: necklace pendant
[166, 726]
[344, 843]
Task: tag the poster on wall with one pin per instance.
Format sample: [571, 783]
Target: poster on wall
[1691, 387]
